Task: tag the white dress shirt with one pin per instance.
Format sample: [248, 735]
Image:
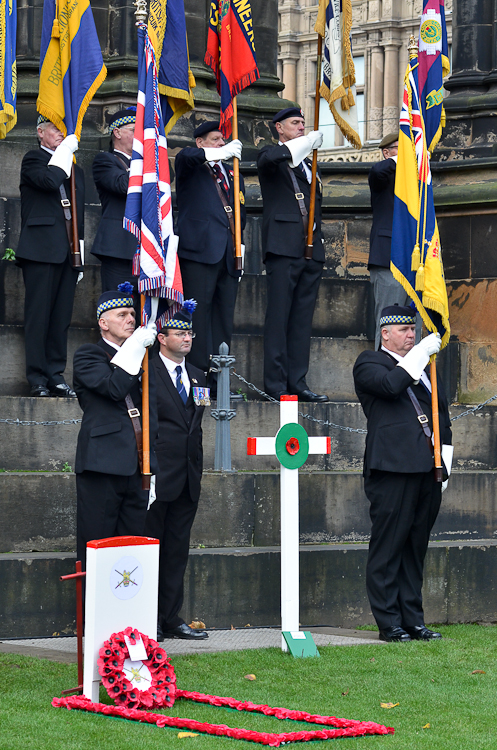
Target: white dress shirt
[171, 368]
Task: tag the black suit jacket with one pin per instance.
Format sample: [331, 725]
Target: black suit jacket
[395, 441]
[111, 178]
[203, 226]
[381, 184]
[43, 229]
[106, 441]
[179, 442]
[282, 226]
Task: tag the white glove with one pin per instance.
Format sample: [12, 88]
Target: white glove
[416, 360]
[62, 156]
[224, 152]
[151, 493]
[302, 146]
[444, 485]
[130, 356]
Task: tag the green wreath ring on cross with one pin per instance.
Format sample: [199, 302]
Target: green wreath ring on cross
[292, 445]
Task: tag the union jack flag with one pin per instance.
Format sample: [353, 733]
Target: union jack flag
[148, 213]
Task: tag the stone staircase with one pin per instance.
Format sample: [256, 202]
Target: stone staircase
[233, 577]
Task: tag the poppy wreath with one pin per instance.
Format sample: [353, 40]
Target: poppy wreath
[160, 690]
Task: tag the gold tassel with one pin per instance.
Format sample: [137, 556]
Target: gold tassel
[55, 29]
[443, 118]
[415, 258]
[345, 103]
[420, 279]
[351, 98]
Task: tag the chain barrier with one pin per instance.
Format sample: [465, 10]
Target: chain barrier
[326, 423]
[31, 422]
[309, 417]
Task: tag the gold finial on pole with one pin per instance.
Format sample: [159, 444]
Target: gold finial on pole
[412, 47]
[141, 12]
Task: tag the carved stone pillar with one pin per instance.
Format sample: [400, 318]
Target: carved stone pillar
[375, 128]
[391, 89]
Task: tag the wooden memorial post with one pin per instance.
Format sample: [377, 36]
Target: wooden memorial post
[292, 446]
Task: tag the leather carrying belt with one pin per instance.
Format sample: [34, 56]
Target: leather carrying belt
[66, 207]
[299, 196]
[228, 209]
[134, 415]
[422, 418]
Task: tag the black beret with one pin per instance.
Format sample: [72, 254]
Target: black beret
[398, 315]
[121, 297]
[123, 117]
[288, 112]
[206, 127]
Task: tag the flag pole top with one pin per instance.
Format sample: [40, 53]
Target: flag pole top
[412, 47]
[141, 12]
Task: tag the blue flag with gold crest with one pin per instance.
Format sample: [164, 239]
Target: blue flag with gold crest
[8, 73]
[71, 64]
[416, 255]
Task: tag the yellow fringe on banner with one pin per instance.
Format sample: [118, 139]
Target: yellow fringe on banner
[420, 279]
[415, 258]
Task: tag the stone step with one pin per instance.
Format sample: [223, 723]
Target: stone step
[241, 586]
[38, 510]
[38, 447]
[341, 308]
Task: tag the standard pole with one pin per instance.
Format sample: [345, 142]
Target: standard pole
[436, 421]
[145, 417]
[236, 190]
[75, 251]
[312, 204]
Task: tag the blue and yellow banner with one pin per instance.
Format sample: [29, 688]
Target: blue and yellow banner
[71, 65]
[416, 254]
[167, 33]
[8, 72]
[433, 60]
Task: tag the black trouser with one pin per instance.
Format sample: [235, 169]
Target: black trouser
[215, 292]
[292, 289]
[403, 509]
[114, 271]
[48, 307]
[171, 523]
[108, 505]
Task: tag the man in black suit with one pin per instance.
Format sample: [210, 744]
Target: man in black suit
[386, 290]
[292, 281]
[113, 245]
[205, 198]
[43, 254]
[110, 499]
[181, 396]
[399, 481]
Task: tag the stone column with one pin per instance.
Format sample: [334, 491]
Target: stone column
[375, 126]
[391, 89]
[472, 44]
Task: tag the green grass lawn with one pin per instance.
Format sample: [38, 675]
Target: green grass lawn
[433, 683]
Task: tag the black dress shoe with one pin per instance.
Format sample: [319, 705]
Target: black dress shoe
[315, 398]
[160, 633]
[185, 631]
[422, 633]
[394, 635]
[62, 390]
[39, 390]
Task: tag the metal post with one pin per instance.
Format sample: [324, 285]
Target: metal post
[223, 413]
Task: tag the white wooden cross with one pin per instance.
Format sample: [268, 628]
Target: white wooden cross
[291, 445]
